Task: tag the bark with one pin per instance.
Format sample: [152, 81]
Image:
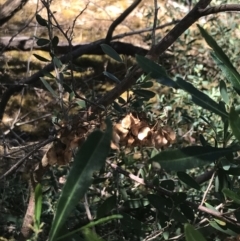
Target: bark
[9, 8]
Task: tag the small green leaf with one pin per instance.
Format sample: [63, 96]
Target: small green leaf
[112, 77]
[234, 121]
[41, 58]
[232, 195]
[111, 52]
[192, 234]
[202, 99]
[144, 93]
[55, 41]
[41, 21]
[189, 157]
[136, 203]
[184, 177]
[107, 206]
[223, 91]
[49, 87]
[43, 41]
[38, 205]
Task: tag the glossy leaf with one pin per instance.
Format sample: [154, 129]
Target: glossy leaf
[111, 52]
[112, 77]
[178, 197]
[144, 93]
[184, 177]
[90, 158]
[202, 99]
[57, 62]
[148, 84]
[234, 121]
[42, 42]
[38, 205]
[189, 157]
[168, 184]
[223, 60]
[223, 230]
[41, 21]
[41, 58]
[107, 206]
[192, 234]
[232, 195]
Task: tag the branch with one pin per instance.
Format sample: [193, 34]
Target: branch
[220, 8]
[168, 193]
[118, 20]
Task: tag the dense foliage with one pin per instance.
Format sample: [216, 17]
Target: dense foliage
[151, 156]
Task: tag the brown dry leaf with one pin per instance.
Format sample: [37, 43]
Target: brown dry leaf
[143, 133]
[126, 122]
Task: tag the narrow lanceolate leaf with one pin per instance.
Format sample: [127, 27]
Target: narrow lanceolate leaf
[111, 52]
[202, 99]
[232, 195]
[189, 157]
[38, 205]
[234, 121]
[184, 177]
[41, 58]
[231, 75]
[150, 66]
[223, 91]
[192, 234]
[48, 87]
[90, 158]
[227, 66]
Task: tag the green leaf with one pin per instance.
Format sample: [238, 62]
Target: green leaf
[148, 84]
[92, 224]
[187, 211]
[57, 62]
[185, 178]
[168, 184]
[144, 93]
[192, 234]
[91, 236]
[90, 158]
[112, 77]
[178, 197]
[55, 41]
[43, 41]
[227, 231]
[223, 91]
[158, 202]
[41, 58]
[111, 52]
[234, 121]
[38, 206]
[232, 195]
[49, 87]
[189, 157]
[41, 21]
[202, 99]
[107, 206]
[149, 66]
[227, 67]
[178, 216]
